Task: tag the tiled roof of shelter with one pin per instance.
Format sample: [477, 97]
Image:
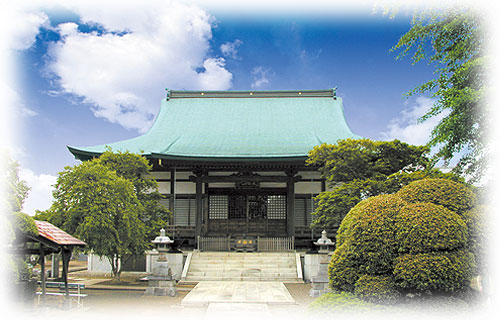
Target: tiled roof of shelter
[56, 235]
[237, 125]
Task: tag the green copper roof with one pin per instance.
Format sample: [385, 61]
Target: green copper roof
[237, 125]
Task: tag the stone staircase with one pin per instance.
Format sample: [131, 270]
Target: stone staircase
[240, 266]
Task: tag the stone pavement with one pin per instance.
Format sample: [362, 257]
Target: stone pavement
[208, 292]
[223, 311]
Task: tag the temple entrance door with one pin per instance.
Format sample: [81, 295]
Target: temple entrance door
[260, 212]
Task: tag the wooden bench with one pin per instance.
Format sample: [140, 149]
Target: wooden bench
[74, 290]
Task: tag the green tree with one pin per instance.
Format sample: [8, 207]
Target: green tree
[358, 169]
[454, 43]
[17, 189]
[362, 159]
[101, 208]
[17, 224]
[136, 169]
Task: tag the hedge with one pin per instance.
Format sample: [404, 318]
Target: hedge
[376, 289]
[437, 271]
[477, 227]
[407, 242]
[425, 227]
[452, 195]
[343, 268]
[369, 228]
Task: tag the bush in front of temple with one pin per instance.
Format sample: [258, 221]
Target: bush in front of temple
[377, 289]
[454, 196]
[434, 271]
[392, 245]
[425, 227]
[478, 234]
[368, 229]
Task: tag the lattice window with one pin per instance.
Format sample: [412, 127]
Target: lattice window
[276, 207]
[218, 207]
[257, 207]
[237, 205]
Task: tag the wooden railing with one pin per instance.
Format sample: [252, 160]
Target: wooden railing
[275, 244]
[264, 244]
[214, 243]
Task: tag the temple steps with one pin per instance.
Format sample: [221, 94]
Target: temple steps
[239, 266]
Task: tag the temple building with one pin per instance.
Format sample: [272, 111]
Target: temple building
[232, 163]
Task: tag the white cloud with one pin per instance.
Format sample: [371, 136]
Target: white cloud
[145, 49]
[259, 77]
[40, 195]
[230, 49]
[406, 127]
[20, 25]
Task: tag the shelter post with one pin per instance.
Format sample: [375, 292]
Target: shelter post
[42, 272]
[66, 255]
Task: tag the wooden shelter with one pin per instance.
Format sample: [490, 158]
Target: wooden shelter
[51, 239]
[232, 163]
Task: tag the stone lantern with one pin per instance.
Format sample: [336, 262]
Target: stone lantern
[319, 283]
[324, 243]
[161, 283]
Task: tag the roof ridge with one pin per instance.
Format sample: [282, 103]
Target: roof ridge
[178, 94]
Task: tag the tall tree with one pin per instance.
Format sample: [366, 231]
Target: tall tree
[358, 169]
[136, 169]
[454, 43]
[95, 204]
[16, 189]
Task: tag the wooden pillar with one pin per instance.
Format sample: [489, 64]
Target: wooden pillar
[205, 210]
[199, 206]
[54, 269]
[171, 203]
[200, 173]
[42, 273]
[290, 200]
[290, 206]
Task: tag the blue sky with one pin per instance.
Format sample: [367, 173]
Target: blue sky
[88, 75]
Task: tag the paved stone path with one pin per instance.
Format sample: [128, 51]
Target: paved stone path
[238, 292]
[234, 310]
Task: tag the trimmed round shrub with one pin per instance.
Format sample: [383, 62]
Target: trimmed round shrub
[343, 269]
[389, 244]
[376, 289]
[425, 227]
[369, 228]
[476, 222]
[452, 195]
[438, 271]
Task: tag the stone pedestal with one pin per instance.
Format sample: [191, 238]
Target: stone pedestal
[161, 283]
[161, 286]
[175, 261]
[311, 265]
[319, 283]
